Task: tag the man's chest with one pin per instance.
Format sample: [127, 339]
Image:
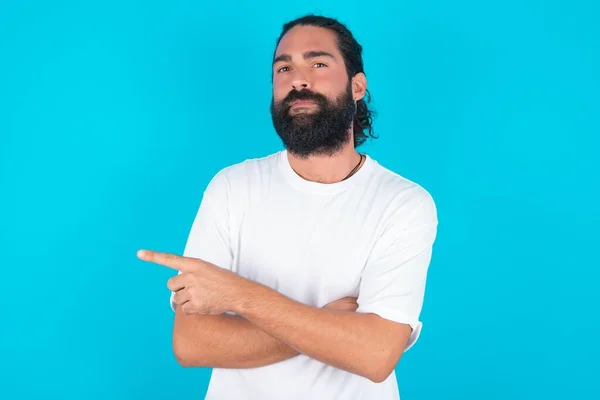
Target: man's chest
[313, 252]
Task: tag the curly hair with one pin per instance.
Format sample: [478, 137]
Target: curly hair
[352, 53]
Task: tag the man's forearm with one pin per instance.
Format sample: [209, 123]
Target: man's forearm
[363, 344]
[224, 341]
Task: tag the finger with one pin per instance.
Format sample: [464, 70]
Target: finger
[183, 264]
[182, 297]
[177, 282]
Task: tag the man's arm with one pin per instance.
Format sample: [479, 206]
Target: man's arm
[230, 341]
[224, 341]
[364, 344]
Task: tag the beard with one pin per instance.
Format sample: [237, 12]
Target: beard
[320, 131]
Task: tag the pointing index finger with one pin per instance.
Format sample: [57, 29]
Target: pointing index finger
[173, 261]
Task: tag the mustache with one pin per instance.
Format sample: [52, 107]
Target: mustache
[303, 95]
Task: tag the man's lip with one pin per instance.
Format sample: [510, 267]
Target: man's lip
[300, 103]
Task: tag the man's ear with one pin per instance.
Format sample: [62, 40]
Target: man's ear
[359, 86]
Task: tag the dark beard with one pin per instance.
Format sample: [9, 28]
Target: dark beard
[323, 131]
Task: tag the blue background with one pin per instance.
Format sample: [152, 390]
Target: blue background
[114, 116]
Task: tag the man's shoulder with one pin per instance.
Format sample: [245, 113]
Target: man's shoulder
[243, 171]
[402, 194]
[398, 184]
[250, 166]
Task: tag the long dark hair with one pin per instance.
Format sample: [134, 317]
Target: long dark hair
[352, 53]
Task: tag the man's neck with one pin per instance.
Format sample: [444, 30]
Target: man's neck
[326, 168]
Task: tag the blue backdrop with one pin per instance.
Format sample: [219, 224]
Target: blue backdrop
[114, 115]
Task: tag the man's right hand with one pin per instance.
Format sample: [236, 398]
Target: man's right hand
[343, 304]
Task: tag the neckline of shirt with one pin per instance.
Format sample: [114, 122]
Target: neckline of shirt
[323, 188]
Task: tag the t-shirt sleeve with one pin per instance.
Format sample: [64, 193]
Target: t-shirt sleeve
[393, 282]
[209, 237]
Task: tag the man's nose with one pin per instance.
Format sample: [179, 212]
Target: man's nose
[300, 83]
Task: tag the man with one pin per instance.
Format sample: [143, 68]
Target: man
[304, 273]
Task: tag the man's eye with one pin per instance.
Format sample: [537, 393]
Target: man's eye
[320, 63]
[282, 69]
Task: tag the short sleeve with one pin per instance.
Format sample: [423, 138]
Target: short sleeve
[393, 282]
[209, 236]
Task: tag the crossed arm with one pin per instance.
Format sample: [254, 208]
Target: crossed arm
[273, 328]
[239, 343]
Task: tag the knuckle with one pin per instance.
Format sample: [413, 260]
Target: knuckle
[186, 279]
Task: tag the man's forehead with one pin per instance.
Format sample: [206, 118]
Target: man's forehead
[307, 38]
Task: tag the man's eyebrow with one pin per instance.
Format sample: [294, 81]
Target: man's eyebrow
[307, 55]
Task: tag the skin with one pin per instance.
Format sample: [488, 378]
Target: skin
[270, 327]
[295, 68]
[364, 344]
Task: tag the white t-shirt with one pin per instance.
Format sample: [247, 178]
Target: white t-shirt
[369, 236]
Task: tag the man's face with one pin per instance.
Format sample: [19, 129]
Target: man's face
[312, 105]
